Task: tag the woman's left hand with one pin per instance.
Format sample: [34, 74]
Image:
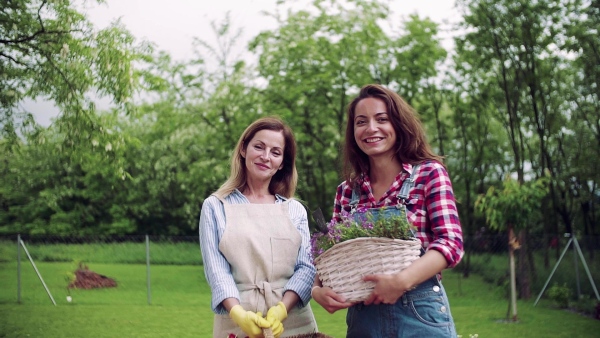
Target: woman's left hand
[275, 316]
[388, 288]
[330, 300]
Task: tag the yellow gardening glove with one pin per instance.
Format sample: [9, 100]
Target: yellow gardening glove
[275, 316]
[251, 323]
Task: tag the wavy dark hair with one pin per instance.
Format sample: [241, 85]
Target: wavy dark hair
[411, 142]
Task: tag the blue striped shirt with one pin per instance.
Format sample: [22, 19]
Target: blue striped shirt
[216, 268]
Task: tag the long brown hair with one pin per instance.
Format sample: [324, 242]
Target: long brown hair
[284, 181]
[411, 142]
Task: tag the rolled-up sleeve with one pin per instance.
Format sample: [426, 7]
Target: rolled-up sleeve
[304, 271]
[443, 216]
[216, 268]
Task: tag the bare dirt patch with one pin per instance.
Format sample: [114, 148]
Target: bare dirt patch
[87, 279]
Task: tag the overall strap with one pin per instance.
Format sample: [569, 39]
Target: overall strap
[403, 196]
[408, 184]
[355, 195]
[404, 190]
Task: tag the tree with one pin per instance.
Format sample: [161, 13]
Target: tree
[185, 135]
[50, 51]
[520, 46]
[477, 152]
[317, 59]
[47, 190]
[418, 54]
[515, 207]
[582, 42]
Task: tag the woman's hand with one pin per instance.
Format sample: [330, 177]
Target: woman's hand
[275, 316]
[251, 323]
[388, 288]
[329, 300]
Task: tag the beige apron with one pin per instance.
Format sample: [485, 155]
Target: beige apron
[261, 245]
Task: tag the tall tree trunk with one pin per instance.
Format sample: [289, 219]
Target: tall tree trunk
[524, 267]
[512, 246]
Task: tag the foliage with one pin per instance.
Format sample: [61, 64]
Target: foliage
[516, 204]
[70, 274]
[492, 268]
[50, 50]
[60, 180]
[74, 185]
[520, 54]
[185, 137]
[560, 294]
[586, 305]
[362, 223]
[519, 95]
[516, 207]
[318, 58]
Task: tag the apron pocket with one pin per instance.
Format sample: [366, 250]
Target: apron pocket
[284, 253]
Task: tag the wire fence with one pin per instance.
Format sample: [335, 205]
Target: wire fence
[498, 243]
[171, 250]
[550, 261]
[35, 269]
[149, 269]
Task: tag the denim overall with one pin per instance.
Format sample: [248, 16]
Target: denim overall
[421, 312]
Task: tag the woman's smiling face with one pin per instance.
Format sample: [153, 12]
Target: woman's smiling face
[264, 154]
[373, 130]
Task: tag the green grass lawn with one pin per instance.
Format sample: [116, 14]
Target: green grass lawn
[181, 306]
[481, 308]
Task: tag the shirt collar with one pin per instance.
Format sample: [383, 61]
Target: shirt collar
[408, 168]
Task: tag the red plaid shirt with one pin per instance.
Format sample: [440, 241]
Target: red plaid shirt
[430, 207]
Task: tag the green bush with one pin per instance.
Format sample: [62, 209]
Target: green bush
[560, 295]
[585, 305]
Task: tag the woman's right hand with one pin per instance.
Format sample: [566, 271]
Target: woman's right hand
[329, 300]
[251, 323]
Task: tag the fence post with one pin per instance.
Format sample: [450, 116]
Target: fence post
[37, 272]
[19, 268]
[148, 270]
[576, 264]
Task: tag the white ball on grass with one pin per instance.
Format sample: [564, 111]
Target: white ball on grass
[69, 299]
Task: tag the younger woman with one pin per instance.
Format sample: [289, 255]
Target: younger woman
[389, 167]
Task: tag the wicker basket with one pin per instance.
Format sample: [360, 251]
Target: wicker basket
[343, 266]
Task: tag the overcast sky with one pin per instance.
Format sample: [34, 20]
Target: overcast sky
[172, 24]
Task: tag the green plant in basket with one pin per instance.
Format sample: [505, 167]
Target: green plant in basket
[362, 223]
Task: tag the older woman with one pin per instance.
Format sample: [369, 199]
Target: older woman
[254, 239]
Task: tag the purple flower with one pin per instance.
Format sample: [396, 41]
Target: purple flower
[362, 210]
[360, 224]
